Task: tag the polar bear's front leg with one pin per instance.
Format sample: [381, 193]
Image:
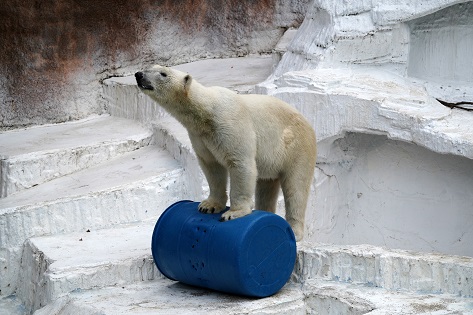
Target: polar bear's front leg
[216, 176]
[242, 187]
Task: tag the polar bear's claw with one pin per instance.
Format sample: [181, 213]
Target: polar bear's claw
[209, 206]
[234, 214]
[205, 210]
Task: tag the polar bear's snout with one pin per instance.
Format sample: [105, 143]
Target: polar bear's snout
[142, 81]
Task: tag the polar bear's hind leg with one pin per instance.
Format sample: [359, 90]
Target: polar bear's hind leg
[266, 195]
[296, 187]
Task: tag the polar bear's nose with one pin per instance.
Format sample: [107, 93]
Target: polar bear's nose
[143, 82]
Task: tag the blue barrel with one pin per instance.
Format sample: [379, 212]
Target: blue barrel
[252, 256]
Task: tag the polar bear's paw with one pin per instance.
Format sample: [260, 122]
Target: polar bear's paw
[211, 206]
[233, 214]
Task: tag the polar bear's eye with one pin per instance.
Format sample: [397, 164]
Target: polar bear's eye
[163, 74]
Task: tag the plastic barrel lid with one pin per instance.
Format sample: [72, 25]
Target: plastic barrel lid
[267, 256]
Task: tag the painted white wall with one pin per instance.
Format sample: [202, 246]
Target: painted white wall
[395, 166]
[394, 194]
[441, 50]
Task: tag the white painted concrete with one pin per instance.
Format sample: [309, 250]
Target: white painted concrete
[53, 266]
[163, 296]
[401, 184]
[374, 68]
[32, 156]
[56, 265]
[313, 297]
[172, 136]
[240, 74]
[124, 99]
[395, 194]
[341, 33]
[11, 305]
[123, 191]
[441, 46]
[340, 298]
[394, 270]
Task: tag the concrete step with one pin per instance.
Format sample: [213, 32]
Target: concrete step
[11, 305]
[32, 156]
[131, 188]
[53, 266]
[392, 269]
[46, 209]
[238, 74]
[333, 298]
[56, 265]
[163, 296]
[172, 136]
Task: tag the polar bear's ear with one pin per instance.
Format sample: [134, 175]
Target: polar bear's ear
[187, 83]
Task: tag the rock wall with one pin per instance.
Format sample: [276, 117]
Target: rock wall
[441, 46]
[368, 75]
[343, 33]
[54, 54]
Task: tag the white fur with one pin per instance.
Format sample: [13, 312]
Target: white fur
[259, 141]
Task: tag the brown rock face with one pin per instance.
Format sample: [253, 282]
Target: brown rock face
[44, 42]
[55, 52]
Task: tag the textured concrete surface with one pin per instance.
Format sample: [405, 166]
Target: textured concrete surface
[239, 74]
[53, 266]
[120, 191]
[394, 270]
[163, 296]
[408, 183]
[32, 156]
[343, 279]
[368, 76]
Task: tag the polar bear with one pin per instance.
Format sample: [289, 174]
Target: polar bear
[259, 141]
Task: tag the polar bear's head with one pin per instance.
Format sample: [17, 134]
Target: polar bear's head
[163, 84]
